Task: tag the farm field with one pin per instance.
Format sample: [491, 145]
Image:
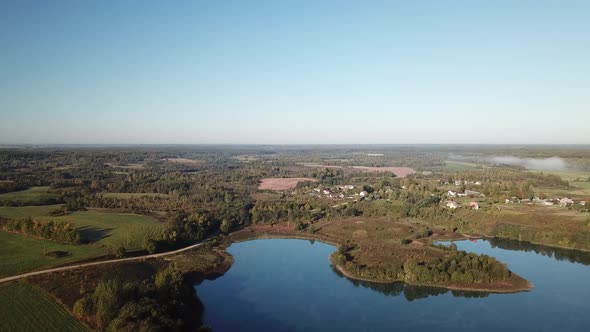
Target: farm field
[27, 211]
[113, 230]
[282, 183]
[25, 308]
[20, 253]
[33, 196]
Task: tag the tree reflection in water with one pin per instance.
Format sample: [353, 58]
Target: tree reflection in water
[410, 292]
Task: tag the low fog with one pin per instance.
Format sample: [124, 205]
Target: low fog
[548, 164]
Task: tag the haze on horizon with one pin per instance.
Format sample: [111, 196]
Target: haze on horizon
[294, 72]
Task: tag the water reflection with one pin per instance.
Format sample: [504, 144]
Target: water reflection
[410, 292]
[570, 255]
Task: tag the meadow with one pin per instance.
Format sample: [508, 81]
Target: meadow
[20, 253]
[27, 211]
[31, 196]
[25, 308]
[112, 230]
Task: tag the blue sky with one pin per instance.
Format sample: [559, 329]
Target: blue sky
[294, 72]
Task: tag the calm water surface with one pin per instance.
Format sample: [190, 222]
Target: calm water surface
[289, 285]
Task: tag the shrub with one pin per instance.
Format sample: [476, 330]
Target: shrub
[84, 307]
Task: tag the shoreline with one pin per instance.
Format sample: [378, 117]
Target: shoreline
[249, 234]
[528, 287]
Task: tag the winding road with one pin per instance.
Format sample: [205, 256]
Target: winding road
[72, 267]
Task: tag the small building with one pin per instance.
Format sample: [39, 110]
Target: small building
[478, 183]
[565, 201]
[452, 205]
[547, 203]
[451, 193]
[364, 194]
[474, 205]
[582, 203]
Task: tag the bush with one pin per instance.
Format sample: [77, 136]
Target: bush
[151, 246]
[120, 252]
[84, 307]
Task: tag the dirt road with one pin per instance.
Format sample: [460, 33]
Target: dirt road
[71, 267]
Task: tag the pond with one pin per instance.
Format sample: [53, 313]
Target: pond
[289, 285]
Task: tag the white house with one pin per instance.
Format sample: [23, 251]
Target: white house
[452, 205]
[364, 193]
[451, 193]
[565, 201]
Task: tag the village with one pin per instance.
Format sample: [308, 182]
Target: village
[452, 198]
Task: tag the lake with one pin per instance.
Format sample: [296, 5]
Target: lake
[289, 285]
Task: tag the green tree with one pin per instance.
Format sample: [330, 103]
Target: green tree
[108, 298]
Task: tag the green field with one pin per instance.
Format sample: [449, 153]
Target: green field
[133, 195]
[20, 253]
[569, 175]
[25, 308]
[113, 230]
[452, 165]
[34, 195]
[27, 211]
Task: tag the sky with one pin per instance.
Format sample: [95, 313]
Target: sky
[294, 72]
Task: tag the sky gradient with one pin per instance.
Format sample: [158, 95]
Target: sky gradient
[294, 72]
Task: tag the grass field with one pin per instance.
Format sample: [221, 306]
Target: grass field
[25, 308]
[452, 165]
[133, 195]
[27, 211]
[34, 195]
[113, 230]
[21, 253]
[569, 175]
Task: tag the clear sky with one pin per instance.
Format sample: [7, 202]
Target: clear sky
[291, 72]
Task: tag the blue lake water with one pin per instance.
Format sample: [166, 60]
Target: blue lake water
[289, 285]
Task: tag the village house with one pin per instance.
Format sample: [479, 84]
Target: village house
[451, 193]
[474, 205]
[472, 193]
[452, 205]
[364, 194]
[565, 201]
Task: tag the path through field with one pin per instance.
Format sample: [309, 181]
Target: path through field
[72, 267]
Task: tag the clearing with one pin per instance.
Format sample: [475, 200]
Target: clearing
[400, 172]
[27, 211]
[282, 183]
[112, 230]
[26, 308]
[21, 253]
[32, 196]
